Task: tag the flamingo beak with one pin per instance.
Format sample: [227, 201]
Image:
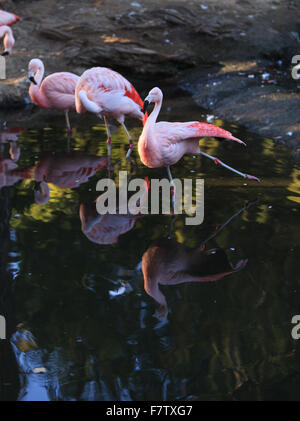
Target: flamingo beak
[31, 78]
[37, 185]
[5, 53]
[145, 105]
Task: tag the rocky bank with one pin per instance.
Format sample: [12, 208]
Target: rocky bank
[232, 56]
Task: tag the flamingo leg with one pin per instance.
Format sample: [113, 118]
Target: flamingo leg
[108, 142]
[218, 162]
[172, 187]
[68, 121]
[131, 143]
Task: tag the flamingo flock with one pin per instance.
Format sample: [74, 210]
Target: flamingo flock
[109, 95]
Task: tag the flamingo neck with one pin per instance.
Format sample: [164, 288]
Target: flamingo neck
[5, 30]
[35, 93]
[150, 123]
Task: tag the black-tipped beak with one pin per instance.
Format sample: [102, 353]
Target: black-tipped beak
[37, 185]
[145, 105]
[32, 80]
[5, 53]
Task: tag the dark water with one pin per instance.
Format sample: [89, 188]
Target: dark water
[80, 323]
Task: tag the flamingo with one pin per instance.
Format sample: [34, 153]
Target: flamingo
[163, 144]
[108, 94]
[7, 18]
[9, 41]
[57, 91]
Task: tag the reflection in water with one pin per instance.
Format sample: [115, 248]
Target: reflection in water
[65, 170]
[10, 157]
[79, 319]
[167, 262]
[106, 229]
[9, 376]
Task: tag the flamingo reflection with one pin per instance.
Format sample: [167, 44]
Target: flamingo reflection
[106, 229]
[167, 262]
[65, 170]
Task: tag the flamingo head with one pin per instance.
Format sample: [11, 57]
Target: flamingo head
[35, 65]
[155, 95]
[8, 41]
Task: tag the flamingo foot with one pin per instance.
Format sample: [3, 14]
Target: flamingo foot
[252, 177]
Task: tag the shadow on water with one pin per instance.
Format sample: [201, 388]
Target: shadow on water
[81, 323]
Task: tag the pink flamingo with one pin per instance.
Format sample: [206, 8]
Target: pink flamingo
[9, 41]
[57, 91]
[163, 144]
[7, 18]
[108, 94]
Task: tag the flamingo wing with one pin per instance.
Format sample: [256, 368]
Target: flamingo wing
[179, 132]
[101, 80]
[7, 18]
[59, 88]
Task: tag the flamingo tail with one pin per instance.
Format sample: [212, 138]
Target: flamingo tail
[209, 130]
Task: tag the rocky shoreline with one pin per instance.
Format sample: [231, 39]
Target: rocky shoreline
[233, 57]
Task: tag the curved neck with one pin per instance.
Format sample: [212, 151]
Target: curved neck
[5, 30]
[39, 75]
[153, 116]
[151, 120]
[35, 93]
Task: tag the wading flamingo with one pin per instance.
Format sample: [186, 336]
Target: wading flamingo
[108, 94]
[7, 18]
[57, 91]
[9, 41]
[163, 144]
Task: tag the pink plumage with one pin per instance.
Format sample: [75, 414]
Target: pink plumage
[7, 18]
[56, 91]
[8, 41]
[108, 94]
[163, 143]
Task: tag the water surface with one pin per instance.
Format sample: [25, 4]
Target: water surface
[79, 320]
